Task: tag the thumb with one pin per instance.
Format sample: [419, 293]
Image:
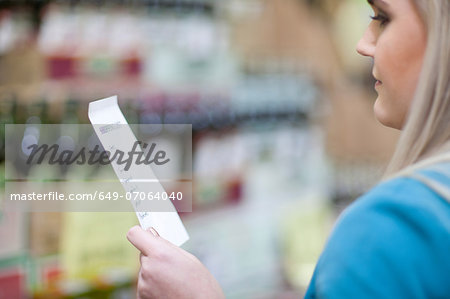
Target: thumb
[143, 240]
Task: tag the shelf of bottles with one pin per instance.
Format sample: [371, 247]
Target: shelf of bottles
[168, 62]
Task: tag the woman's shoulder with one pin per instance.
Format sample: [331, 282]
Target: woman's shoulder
[393, 241]
[401, 197]
[400, 212]
[402, 221]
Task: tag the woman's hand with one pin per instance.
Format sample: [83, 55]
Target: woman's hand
[168, 271]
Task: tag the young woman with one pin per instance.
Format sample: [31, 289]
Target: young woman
[393, 242]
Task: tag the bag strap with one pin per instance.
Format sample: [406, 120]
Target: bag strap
[436, 164]
[434, 185]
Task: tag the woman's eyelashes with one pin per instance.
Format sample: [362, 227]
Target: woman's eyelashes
[381, 17]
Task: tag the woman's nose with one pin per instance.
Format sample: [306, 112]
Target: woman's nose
[366, 45]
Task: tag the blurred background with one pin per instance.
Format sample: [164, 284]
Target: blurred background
[284, 135]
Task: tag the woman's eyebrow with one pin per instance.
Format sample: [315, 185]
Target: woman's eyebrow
[380, 3]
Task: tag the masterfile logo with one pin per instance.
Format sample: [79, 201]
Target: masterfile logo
[53, 155]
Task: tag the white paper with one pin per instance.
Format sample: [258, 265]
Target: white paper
[106, 112]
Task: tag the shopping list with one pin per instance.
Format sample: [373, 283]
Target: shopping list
[115, 134]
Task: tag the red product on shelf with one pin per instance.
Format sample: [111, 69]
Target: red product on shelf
[62, 67]
[234, 190]
[12, 283]
[131, 66]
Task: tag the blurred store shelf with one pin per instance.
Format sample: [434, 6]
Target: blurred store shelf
[282, 138]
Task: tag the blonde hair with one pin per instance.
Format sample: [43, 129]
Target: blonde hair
[425, 137]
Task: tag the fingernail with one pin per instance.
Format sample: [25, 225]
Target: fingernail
[153, 231]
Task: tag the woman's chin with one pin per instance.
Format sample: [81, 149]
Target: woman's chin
[383, 116]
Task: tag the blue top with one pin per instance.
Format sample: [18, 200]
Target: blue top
[393, 242]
